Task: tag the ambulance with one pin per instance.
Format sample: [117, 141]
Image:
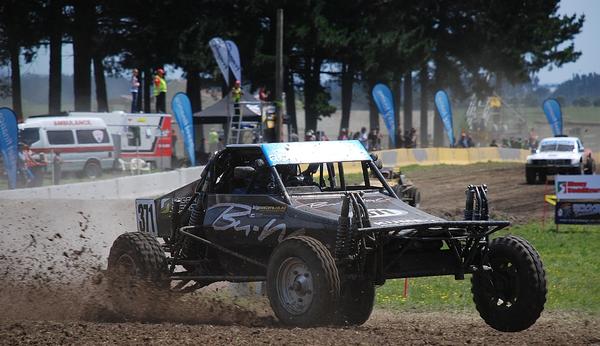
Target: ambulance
[138, 135]
[84, 143]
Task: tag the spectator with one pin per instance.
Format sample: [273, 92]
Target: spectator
[57, 162]
[372, 138]
[465, 141]
[310, 136]
[213, 140]
[134, 89]
[343, 135]
[263, 94]
[236, 96]
[294, 136]
[493, 144]
[160, 91]
[399, 138]
[363, 137]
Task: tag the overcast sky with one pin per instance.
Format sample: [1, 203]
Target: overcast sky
[587, 42]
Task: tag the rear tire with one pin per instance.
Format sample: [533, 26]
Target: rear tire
[92, 170]
[356, 302]
[137, 274]
[303, 284]
[510, 297]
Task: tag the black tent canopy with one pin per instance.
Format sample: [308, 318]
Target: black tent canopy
[218, 113]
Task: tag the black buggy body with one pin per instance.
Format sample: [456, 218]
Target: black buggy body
[318, 222]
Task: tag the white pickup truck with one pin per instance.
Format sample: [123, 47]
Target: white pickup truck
[558, 155]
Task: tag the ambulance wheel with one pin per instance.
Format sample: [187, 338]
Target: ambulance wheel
[92, 169]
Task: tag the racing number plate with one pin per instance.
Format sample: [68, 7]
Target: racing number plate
[145, 212]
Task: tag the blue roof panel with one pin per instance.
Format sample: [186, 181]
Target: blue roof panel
[314, 152]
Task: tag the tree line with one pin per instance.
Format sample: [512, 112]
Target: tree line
[465, 46]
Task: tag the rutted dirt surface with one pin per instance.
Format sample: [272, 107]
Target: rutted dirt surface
[443, 191]
[53, 291]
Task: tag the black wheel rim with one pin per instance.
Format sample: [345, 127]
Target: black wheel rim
[503, 284]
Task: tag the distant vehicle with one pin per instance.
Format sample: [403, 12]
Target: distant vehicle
[558, 155]
[139, 135]
[84, 143]
[298, 216]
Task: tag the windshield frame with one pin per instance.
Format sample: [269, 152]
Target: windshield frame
[328, 183]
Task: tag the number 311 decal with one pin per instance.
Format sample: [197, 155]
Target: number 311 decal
[145, 212]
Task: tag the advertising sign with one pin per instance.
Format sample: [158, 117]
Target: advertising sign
[219, 49]
[234, 59]
[570, 187]
[442, 102]
[183, 113]
[382, 95]
[577, 212]
[554, 115]
[8, 144]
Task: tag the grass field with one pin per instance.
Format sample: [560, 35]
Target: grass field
[570, 258]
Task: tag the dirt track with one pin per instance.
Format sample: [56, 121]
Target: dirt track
[51, 289]
[443, 190]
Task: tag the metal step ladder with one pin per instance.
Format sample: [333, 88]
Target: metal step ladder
[239, 130]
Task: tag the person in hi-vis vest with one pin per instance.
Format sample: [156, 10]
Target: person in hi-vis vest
[160, 91]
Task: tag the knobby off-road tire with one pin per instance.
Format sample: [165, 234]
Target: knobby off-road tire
[137, 275]
[530, 176]
[303, 283]
[510, 297]
[356, 302]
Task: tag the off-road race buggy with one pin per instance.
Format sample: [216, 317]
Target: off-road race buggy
[307, 219]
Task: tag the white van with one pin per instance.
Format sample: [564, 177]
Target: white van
[84, 144]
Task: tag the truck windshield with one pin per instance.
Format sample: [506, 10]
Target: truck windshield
[557, 146]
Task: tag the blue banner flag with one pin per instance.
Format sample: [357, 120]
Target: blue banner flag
[554, 116]
[219, 49]
[442, 102]
[9, 144]
[234, 60]
[382, 96]
[181, 106]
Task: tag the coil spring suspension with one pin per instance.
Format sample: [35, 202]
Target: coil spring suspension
[195, 214]
[346, 244]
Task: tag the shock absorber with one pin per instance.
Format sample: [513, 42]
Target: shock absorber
[470, 195]
[194, 214]
[342, 234]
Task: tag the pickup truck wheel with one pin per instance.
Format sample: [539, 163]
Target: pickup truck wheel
[303, 284]
[356, 302]
[510, 297]
[530, 176]
[542, 177]
[137, 274]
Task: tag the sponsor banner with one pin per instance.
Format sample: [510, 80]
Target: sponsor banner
[577, 212]
[442, 102]
[181, 106]
[382, 96]
[570, 187]
[9, 144]
[554, 115]
[219, 49]
[234, 60]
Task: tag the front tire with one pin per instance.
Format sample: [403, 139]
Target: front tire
[510, 297]
[303, 283]
[530, 176]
